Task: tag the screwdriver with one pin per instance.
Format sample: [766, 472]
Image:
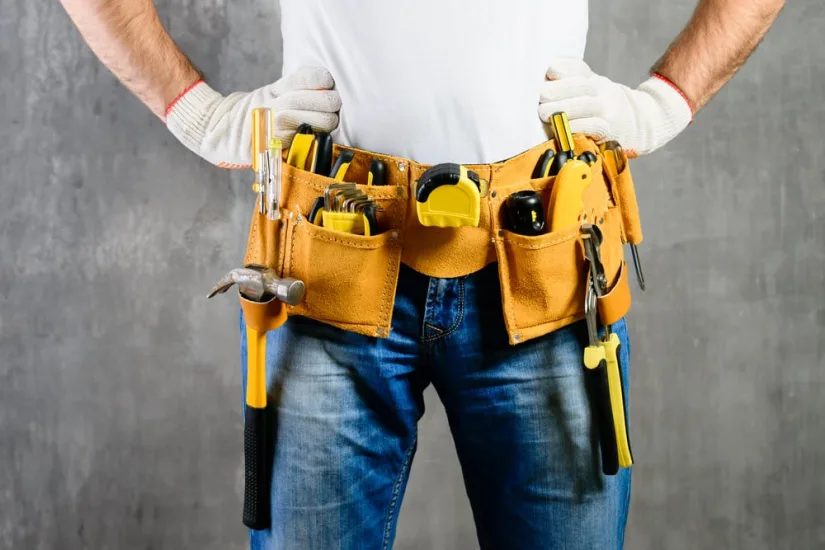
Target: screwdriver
[260, 165]
[564, 142]
[273, 158]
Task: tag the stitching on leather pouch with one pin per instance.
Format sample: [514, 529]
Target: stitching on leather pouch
[395, 262]
[561, 321]
[292, 252]
[542, 245]
[253, 241]
[509, 309]
[365, 246]
[387, 282]
[282, 240]
[321, 188]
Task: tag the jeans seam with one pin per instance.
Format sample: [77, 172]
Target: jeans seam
[396, 490]
[458, 321]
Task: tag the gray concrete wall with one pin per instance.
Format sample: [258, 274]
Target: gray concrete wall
[120, 384]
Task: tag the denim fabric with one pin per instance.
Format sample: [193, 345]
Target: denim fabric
[345, 409]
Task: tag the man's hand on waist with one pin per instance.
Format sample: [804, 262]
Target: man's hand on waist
[219, 128]
[642, 120]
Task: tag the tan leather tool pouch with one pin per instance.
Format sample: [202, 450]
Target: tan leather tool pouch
[543, 277]
[624, 195]
[350, 279]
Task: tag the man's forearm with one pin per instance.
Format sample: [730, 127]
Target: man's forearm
[716, 42]
[130, 40]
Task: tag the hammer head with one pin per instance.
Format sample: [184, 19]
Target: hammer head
[257, 283]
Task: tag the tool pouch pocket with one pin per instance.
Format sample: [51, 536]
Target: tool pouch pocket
[350, 279]
[624, 195]
[543, 277]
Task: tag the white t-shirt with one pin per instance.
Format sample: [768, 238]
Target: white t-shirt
[435, 80]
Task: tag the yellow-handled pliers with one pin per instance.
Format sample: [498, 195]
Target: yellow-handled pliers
[601, 358]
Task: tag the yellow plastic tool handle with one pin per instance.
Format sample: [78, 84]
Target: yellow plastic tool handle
[301, 147]
[566, 203]
[259, 137]
[593, 356]
[617, 399]
[355, 223]
[561, 129]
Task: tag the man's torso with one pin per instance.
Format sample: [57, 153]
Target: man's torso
[435, 80]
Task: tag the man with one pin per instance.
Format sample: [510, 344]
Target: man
[434, 81]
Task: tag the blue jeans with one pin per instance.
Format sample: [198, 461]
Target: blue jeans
[346, 408]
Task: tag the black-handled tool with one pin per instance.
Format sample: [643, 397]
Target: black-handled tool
[588, 157]
[256, 505]
[525, 213]
[378, 173]
[339, 169]
[595, 358]
[542, 169]
[322, 156]
[259, 284]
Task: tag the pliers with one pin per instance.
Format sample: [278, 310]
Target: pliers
[601, 358]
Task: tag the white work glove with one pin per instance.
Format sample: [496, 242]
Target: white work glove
[219, 128]
[641, 120]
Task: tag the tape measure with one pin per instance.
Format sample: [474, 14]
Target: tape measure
[448, 195]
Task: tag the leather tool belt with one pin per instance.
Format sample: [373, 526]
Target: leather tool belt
[351, 279]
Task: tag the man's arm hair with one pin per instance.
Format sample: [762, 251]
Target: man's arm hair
[720, 36]
[130, 40]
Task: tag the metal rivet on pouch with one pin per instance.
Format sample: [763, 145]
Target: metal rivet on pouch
[401, 167]
[299, 218]
[493, 194]
[500, 233]
[601, 221]
[399, 191]
[394, 234]
[381, 332]
[516, 337]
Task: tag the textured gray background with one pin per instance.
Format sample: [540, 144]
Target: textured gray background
[120, 384]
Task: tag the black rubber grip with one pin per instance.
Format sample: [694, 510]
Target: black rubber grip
[379, 172]
[599, 390]
[256, 512]
[323, 153]
[542, 169]
[559, 160]
[344, 157]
